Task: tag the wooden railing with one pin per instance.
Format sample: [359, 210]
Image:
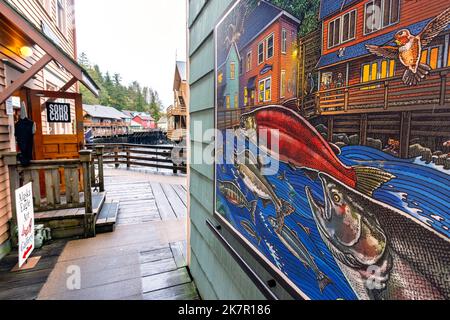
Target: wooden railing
[176, 134]
[57, 184]
[133, 155]
[176, 110]
[387, 95]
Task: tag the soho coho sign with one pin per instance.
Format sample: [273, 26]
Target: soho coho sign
[58, 112]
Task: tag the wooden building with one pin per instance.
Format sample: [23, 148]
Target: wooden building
[38, 66]
[105, 121]
[177, 113]
[145, 120]
[362, 95]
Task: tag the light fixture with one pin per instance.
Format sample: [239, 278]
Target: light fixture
[26, 51]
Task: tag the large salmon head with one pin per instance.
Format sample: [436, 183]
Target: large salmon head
[248, 122]
[347, 224]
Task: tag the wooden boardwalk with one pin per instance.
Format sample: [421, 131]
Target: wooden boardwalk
[145, 258]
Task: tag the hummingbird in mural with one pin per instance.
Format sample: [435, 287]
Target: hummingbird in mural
[409, 48]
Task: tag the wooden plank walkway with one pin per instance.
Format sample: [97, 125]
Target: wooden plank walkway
[144, 259]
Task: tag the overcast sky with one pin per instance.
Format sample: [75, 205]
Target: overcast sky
[139, 39]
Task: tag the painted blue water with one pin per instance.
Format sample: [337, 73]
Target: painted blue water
[419, 189]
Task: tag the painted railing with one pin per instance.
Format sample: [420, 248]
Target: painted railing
[386, 95]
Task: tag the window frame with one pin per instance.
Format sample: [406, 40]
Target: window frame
[261, 52]
[383, 25]
[283, 86]
[284, 41]
[440, 60]
[264, 82]
[272, 35]
[379, 64]
[61, 25]
[232, 70]
[249, 61]
[341, 29]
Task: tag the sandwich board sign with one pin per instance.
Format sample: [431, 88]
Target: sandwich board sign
[25, 222]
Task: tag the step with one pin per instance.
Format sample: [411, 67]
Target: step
[106, 220]
[98, 200]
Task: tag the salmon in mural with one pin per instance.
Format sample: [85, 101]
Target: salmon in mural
[350, 102]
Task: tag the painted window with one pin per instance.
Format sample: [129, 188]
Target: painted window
[265, 90]
[269, 46]
[377, 70]
[245, 96]
[249, 61]
[380, 14]
[283, 84]
[228, 102]
[432, 56]
[232, 71]
[220, 77]
[236, 101]
[283, 41]
[342, 29]
[261, 53]
[349, 26]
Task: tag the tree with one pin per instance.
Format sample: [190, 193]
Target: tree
[306, 11]
[113, 93]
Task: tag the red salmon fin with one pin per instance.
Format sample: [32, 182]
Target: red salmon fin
[368, 179]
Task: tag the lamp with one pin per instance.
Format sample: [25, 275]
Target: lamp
[26, 51]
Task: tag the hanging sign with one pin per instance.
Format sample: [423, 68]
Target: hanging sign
[58, 112]
[25, 222]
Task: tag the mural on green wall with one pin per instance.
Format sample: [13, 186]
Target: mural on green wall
[348, 201]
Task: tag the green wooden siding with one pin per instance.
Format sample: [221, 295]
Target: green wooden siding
[216, 273]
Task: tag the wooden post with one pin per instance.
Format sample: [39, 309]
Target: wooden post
[386, 95]
[101, 176]
[128, 157]
[330, 128]
[89, 227]
[10, 159]
[443, 87]
[346, 99]
[363, 130]
[116, 157]
[405, 134]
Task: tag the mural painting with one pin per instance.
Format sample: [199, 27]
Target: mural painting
[358, 206]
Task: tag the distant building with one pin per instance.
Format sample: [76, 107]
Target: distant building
[229, 76]
[105, 121]
[163, 124]
[145, 120]
[177, 114]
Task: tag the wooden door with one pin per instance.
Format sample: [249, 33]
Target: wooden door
[55, 141]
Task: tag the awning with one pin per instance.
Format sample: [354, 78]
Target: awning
[19, 29]
[251, 83]
[360, 50]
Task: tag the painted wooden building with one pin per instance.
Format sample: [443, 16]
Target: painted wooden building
[269, 51]
[363, 95]
[177, 114]
[38, 65]
[105, 121]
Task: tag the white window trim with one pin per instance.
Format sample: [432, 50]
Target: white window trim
[263, 52]
[283, 77]
[283, 41]
[382, 15]
[264, 92]
[249, 54]
[341, 29]
[64, 26]
[266, 41]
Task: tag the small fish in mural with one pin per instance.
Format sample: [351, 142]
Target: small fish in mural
[235, 196]
[249, 229]
[409, 48]
[383, 252]
[254, 180]
[303, 147]
[292, 242]
[283, 177]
